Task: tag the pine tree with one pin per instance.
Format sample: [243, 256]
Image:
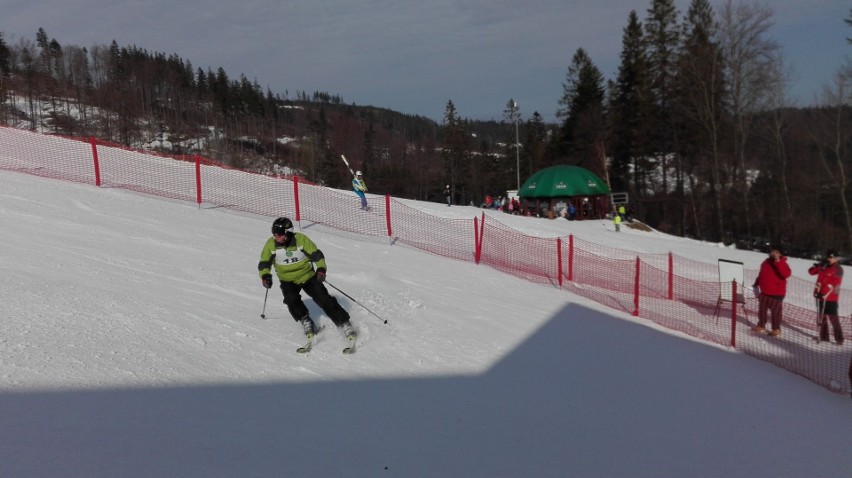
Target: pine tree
[5, 70]
[663, 40]
[632, 106]
[455, 149]
[582, 112]
[5, 67]
[535, 140]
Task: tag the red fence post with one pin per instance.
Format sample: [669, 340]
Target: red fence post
[478, 232]
[388, 214]
[671, 276]
[95, 158]
[296, 198]
[734, 314]
[571, 257]
[636, 290]
[559, 259]
[198, 179]
[476, 240]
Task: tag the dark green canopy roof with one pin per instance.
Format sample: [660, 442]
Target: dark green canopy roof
[563, 180]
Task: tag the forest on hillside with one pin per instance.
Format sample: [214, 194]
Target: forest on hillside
[695, 127]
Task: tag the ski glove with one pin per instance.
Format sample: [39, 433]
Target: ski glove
[321, 275]
[818, 295]
[267, 280]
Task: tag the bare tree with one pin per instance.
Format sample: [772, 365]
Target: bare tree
[778, 125]
[832, 134]
[701, 94]
[752, 62]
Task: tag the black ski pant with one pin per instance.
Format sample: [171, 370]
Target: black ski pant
[317, 291]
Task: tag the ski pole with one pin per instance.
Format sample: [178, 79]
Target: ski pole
[263, 314]
[353, 300]
[820, 316]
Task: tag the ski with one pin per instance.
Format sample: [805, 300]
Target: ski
[310, 343]
[307, 347]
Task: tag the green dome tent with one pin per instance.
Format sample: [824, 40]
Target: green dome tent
[550, 191]
[563, 181]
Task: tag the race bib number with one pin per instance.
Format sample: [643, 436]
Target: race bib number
[288, 257]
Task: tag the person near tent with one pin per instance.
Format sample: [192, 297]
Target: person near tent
[360, 187]
[616, 219]
[292, 255]
[489, 202]
[826, 291]
[771, 287]
[572, 211]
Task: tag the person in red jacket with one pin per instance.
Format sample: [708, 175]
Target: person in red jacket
[826, 290]
[771, 286]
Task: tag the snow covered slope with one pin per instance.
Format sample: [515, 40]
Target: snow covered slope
[131, 344]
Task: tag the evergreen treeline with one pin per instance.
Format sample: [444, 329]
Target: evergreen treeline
[695, 126]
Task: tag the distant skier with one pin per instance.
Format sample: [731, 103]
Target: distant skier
[448, 195]
[293, 256]
[360, 187]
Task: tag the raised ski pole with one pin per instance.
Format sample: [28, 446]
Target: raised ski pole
[263, 314]
[353, 300]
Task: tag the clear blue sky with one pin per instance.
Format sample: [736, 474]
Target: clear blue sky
[411, 56]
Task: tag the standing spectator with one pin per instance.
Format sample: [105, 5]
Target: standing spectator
[360, 187]
[489, 202]
[826, 290]
[771, 284]
[622, 212]
[616, 219]
[448, 195]
[292, 255]
[572, 211]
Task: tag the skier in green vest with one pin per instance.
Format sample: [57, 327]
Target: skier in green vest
[293, 256]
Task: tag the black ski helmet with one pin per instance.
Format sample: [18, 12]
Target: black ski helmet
[281, 225]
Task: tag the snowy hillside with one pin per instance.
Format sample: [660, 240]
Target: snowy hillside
[131, 345]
